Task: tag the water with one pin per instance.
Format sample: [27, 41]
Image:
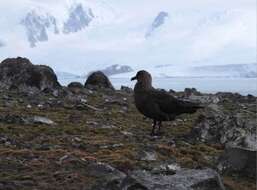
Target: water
[243, 86]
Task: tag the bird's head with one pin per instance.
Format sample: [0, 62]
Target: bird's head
[144, 78]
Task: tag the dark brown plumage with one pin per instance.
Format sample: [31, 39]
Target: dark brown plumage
[158, 105]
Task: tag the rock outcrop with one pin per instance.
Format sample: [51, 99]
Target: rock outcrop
[238, 160]
[185, 179]
[19, 73]
[231, 120]
[98, 80]
[225, 129]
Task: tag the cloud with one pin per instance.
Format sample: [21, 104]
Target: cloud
[225, 33]
[196, 32]
[2, 43]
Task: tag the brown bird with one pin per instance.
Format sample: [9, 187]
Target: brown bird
[158, 105]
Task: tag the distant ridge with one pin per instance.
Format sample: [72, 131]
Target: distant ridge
[66, 75]
[114, 70]
[229, 70]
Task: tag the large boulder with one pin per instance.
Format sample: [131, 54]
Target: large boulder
[185, 179]
[98, 80]
[191, 91]
[218, 127]
[19, 73]
[238, 160]
[75, 85]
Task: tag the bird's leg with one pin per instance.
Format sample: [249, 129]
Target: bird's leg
[159, 125]
[153, 129]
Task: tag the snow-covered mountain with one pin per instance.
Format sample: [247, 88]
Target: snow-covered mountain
[167, 38]
[38, 26]
[223, 71]
[158, 22]
[66, 75]
[79, 18]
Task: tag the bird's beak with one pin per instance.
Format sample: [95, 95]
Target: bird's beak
[133, 78]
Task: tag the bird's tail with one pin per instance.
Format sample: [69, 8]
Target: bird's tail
[190, 107]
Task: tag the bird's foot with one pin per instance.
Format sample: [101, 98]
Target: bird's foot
[152, 134]
[159, 133]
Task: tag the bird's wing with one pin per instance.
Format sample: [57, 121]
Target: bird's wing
[166, 102]
[172, 105]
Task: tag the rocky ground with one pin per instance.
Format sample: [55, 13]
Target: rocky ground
[95, 139]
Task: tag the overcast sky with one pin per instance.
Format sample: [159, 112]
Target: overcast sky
[197, 32]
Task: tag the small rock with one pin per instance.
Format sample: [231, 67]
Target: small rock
[216, 100]
[94, 123]
[40, 106]
[147, 156]
[29, 106]
[63, 158]
[126, 89]
[7, 143]
[55, 93]
[112, 146]
[126, 133]
[42, 120]
[108, 126]
[77, 139]
[166, 169]
[83, 100]
[172, 143]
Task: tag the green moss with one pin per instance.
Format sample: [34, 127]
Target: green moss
[34, 151]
